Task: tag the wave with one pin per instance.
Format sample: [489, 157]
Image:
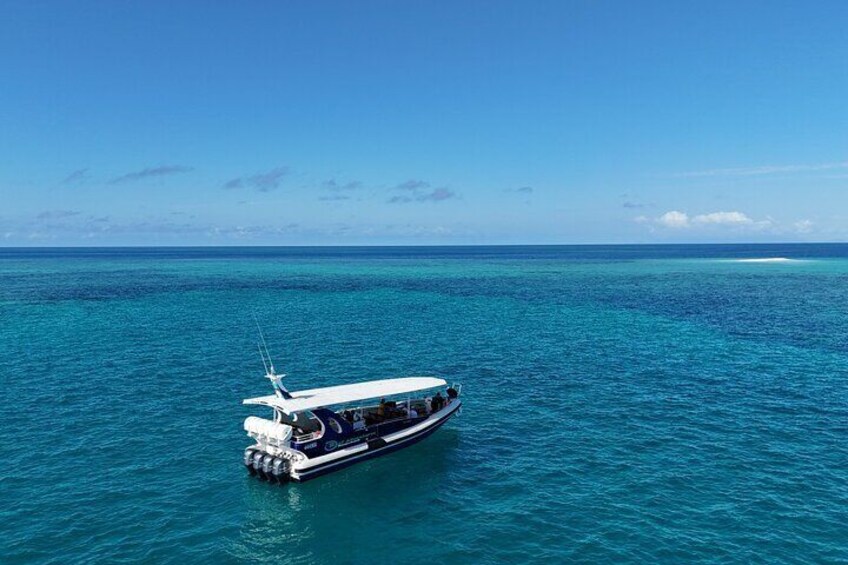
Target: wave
[767, 260]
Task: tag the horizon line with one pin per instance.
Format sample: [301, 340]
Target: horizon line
[458, 245]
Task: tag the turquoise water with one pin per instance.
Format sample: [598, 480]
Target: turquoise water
[621, 404]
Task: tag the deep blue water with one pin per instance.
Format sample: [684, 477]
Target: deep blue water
[621, 403]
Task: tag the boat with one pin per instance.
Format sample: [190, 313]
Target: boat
[317, 431]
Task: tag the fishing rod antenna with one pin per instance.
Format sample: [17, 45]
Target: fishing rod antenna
[269, 368]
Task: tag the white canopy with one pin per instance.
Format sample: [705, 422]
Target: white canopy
[316, 397]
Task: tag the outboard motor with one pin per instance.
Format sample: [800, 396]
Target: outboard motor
[257, 463]
[279, 469]
[266, 466]
[248, 460]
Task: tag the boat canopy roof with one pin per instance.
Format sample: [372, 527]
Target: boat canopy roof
[342, 394]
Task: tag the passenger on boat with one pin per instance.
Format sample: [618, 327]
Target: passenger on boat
[438, 402]
[413, 413]
[393, 410]
[428, 403]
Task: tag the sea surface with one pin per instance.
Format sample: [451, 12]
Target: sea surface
[621, 403]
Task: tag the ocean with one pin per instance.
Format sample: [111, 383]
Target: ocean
[621, 403]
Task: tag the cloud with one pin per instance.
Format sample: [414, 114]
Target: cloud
[723, 218]
[632, 201]
[764, 170]
[803, 226]
[674, 219]
[420, 191]
[251, 232]
[405, 230]
[334, 185]
[56, 214]
[413, 185]
[151, 172]
[263, 182]
[334, 198]
[103, 227]
[521, 190]
[437, 195]
[76, 176]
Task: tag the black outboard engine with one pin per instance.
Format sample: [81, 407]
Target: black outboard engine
[452, 394]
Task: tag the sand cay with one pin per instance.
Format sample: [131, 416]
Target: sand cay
[768, 260]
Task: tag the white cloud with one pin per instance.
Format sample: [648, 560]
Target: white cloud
[674, 219]
[803, 226]
[765, 170]
[733, 220]
[723, 218]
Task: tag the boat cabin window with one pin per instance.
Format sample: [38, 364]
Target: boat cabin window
[334, 425]
[307, 427]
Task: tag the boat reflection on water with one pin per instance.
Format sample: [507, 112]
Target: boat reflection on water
[331, 518]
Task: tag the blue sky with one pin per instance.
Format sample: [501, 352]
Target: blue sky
[154, 123]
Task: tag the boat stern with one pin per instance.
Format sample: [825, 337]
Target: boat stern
[271, 457]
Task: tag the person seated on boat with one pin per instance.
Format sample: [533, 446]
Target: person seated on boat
[348, 415]
[438, 402]
[381, 409]
[428, 405]
[413, 413]
[391, 410]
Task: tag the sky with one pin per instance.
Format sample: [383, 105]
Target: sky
[419, 123]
